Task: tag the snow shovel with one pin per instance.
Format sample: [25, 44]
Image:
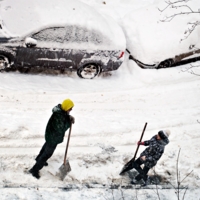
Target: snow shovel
[65, 167]
[128, 165]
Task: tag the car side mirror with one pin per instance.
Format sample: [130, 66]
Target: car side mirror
[30, 42]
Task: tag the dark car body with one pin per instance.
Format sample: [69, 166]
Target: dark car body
[65, 47]
[180, 59]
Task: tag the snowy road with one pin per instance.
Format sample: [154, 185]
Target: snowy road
[109, 120]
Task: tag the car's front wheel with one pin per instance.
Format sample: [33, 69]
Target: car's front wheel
[89, 71]
[4, 62]
[166, 63]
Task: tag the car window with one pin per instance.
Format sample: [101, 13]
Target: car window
[80, 34]
[69, 34]
[55, 34]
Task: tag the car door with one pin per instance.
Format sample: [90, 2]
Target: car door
[49, 46]
[27, 54]
[72, 50]
[44, 48]
[77, 42]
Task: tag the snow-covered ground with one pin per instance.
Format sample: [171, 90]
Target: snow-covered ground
[110, 113]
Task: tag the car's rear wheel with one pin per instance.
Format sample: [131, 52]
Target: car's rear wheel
[4, 62]
[166, 63]
[89, 71]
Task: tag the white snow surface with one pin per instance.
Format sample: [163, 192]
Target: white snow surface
[110, 113]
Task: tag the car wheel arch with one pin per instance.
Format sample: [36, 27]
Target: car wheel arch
[8, 56]
[7, 52]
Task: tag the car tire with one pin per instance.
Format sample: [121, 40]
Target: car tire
[89, 71]
[166, 63]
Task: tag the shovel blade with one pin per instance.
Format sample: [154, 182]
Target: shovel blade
[123, 170]
[128, 166]
[64, 170]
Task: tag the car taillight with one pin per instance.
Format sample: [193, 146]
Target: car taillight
[121, 55]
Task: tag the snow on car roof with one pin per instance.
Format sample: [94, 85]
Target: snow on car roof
[19, 18]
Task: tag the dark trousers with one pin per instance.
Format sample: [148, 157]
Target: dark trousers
[45, 153]
[142, 172]
[136, 164]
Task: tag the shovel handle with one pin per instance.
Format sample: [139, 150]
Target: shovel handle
[133, 159]
[140, 141]
[70, 129]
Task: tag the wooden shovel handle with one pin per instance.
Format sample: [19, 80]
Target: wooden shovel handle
[133, 159]
[140, 141]
[70, 129]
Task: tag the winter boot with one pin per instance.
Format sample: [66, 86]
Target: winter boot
[134, 181]
[146, 182]
[35, 173]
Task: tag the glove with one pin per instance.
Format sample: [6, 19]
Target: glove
[140, 143]
[72, 119]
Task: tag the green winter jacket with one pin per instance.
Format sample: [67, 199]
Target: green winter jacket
[58, 123]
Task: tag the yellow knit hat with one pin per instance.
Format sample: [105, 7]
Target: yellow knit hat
[67, 104]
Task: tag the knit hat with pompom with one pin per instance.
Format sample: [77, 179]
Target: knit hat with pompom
[164, 133]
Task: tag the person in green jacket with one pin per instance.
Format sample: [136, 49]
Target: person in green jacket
[57, 125]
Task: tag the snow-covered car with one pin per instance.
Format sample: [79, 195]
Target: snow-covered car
[55, 47]
[154, 43]
[77, 39]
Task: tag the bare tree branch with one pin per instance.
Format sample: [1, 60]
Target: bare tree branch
[186, 176]
[122, 194]
[169, 18]
[178, 175]
[190, 70]
[178, 188]
[157, 192]
[170, 4]
[185, 193]
[177, 5]
[191, 29]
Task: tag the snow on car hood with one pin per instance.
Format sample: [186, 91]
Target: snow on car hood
[150, 40]
[24, 16]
